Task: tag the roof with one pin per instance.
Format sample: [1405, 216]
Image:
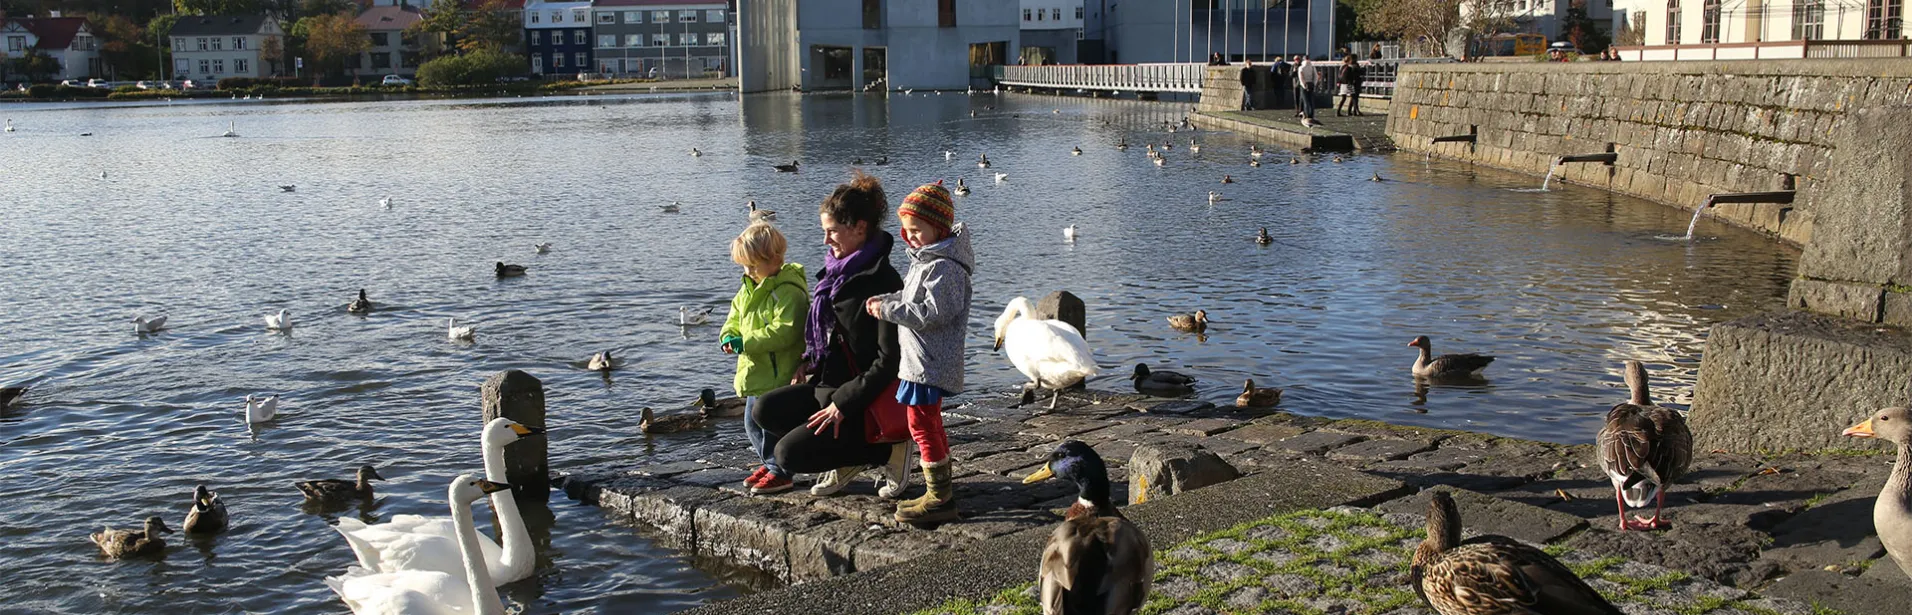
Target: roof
[216, 25]
[389, 17]
[703, 3]
[54, 32]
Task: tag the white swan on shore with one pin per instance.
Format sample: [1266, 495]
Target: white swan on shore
[261, 410]
[468, 589]
[1050, 352]
[418, 542]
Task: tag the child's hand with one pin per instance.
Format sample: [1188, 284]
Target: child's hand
[874, 305]
[732, 344]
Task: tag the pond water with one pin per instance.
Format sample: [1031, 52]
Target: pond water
[1561, 285]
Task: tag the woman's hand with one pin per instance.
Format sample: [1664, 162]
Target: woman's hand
[829, 417]
[801, 375]
[873, 305]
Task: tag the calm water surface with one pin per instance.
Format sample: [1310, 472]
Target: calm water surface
[1561, 285]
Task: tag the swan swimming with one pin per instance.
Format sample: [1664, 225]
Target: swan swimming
[1069, 233]
[281, 321]
[418, 542]
[232, 130]
[1050, 352]
[409, 592]
[261, 410]
[457, 333]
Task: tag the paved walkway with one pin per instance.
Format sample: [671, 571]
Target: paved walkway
[668, 85]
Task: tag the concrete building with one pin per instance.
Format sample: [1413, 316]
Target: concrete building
[213, 47]
[394, 51]
[855, 44]
[1549, 17]
[1052, 31]
[557, 37]
[68, 41]
[1778, 29]
[1185, 31]
[671, 39]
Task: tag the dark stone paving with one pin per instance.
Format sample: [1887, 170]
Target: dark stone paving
[1741, 520]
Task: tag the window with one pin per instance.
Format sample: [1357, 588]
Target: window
[205, 67]
[239, 66]
[607, 41]
[218, 66]
[1709, 21]
[1056, 15]
[872, 14]
[16, 43]
[583, 59]
[577, 37]
[181, 67]
[557, 16]
[381, 39]
[633, 16]
[537, 63]
[1078, 12]
[1809, 19]
[1672, 22]
[607, 17]
[660, 40]
[946, 13]
[607, 66]
[238, 42]
[218, 44]
[1883, 18]
[714, 16]
[537, 37]
[580, 15]
[686, 39]
[407, 38]
[381, 60]
[714, 39]
[687, 16]
[202, 46]
[531, 16]
[660, 16]
[408, 59]
[179, 44]
[633, 40]
[1026, 15]
[557, 60]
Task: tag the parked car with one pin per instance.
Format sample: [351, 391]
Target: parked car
[188, 84]
[395, 80]
[100, 83]
[155, 85]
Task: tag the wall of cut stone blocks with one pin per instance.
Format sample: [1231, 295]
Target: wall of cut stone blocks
[1683, 130]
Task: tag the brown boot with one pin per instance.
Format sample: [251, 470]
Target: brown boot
[938, 504]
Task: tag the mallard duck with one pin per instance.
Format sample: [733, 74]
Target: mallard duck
[600, 362]
[281, 321]
[758, 215]
[1252, 397]
[1294, 160]
[1162, 383]
[207, 515]
[1493, 575]
[1447, 365]
[1255, 151]
[1097, 561]
[1376, 178]
[982, 161]
[142, 325]
[1254, 162]
[1193, 147]
[708, 405]
[962, 189]
[650, 422]
[11, 395]
[1227, 179]
[118, 544]
[334, 491]
[1892, 512]
[361, 305]
[695, 154]
[1337, 159]
[1160, 161]
[541, 248]
[509, 271]
[1051, 353]
[785, 168]
[1263, 238]
[1123, 146]
[1643, 449]
[459, 334]
[262, 409]
[1075, 151]
[1190, 323]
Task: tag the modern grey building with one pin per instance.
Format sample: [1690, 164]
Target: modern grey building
[1052, 31]
[856, 44]
[1190, 30]
[670, 39]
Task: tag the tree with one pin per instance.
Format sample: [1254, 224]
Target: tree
[330, 39]
[37, 66]
[493, 25]
[272, 53]
[218, 7]
[1586, 35]
[1423, 24]
[1634, 35]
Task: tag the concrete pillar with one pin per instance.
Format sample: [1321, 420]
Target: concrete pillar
[1066, 307]
[519, 396]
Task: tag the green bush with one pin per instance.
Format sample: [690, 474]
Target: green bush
[476, 68]
[42, 90]
[45, 90]
[235, 83]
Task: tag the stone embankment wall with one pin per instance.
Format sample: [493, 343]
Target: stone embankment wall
[1683, 130]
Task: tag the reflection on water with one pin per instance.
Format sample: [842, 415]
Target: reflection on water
[1560, 285]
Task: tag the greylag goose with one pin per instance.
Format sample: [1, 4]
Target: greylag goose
[118, 544]
[1190, 323]
[1096, 560]
[361, 305]
[1447, 365]
[208, 514]
[1253, 397]
[509, 271]
[1892, 513]
[1643, 449]
[335, 491]
[1493, 575]
[1161, 383]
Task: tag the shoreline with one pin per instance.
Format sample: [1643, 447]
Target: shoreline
[381, 93]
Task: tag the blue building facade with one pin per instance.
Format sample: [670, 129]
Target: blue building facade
[557, 37]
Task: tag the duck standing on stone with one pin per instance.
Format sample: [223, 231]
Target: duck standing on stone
[117, 544]
[1450, 366]
[1096, 561]
[1493, 575]
[1643, 449]
[1892, 512]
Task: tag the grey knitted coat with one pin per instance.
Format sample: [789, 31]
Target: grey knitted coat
[932, 312]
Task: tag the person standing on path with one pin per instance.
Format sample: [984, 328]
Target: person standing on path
[1304, 86]
[764, 329]
[1349, 81]
[1248, 81]
[850, 359]
[1280, 75]
[932, 312]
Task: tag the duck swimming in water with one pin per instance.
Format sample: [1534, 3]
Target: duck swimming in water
[335, 491]
[119, 544]
[361, 305]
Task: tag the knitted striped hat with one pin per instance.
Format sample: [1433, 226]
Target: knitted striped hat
[930, 203]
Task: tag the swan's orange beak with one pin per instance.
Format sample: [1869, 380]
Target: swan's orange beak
[1862, 430]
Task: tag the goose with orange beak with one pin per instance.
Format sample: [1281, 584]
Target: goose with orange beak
[1892, 513]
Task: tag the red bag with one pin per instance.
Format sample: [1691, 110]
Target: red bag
[885, 420]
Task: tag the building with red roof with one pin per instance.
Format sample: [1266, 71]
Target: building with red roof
[394, 51]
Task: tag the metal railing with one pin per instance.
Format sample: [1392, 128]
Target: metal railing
[1379, 80]
[1769, 50]
[1185, 77]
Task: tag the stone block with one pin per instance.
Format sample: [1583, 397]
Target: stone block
[1158, 470]
[1065, 306]
[828, 550]
[1318, 442]
[752, 532]
[672, 512]
[1494, 515]
[1792, 381]
[1858, 301]
[1380, 449]
[1863, 208]
[1843, 593]
[1261, 434]
[1898, 309]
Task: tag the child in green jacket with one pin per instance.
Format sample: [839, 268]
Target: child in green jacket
[765, 328]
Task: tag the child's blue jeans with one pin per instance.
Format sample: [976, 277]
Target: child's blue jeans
[764, 450]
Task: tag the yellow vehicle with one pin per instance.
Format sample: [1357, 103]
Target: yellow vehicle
[1524, 44]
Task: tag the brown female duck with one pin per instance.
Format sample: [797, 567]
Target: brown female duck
[1190, 323]
[1252, 397]
[1493, 575]
[335, 491]
[118, 544]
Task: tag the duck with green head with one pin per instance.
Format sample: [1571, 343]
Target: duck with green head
[1096, 561]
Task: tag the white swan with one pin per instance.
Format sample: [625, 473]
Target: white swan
[261, 410]
[232, 130]
[1069, 233]
[457, 333]
[418, 542]
[141, 325]
[281, 321]
[413, 592]
[1050, 352]
[9, 125]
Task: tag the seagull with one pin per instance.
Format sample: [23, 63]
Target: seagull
[385, 202]
[949, 155]
[1215, 197]
[1069, 233]
[142, 325]
[687, 318]
[261, 410]
[457, 333]
[672, 208]
[288, 188]
[281, 321]
[1075, 151]
[1001, 177]
[231, 130]
[541, 248]
[761, 215]
[695, 154]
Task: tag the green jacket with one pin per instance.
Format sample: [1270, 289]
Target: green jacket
[770, 319]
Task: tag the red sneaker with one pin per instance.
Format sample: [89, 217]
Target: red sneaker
[771, 483]
[756, 475]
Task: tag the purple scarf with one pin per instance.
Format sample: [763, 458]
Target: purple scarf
[823, 317]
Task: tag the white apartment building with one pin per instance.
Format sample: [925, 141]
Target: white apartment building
[214, 47]
[1051, 30]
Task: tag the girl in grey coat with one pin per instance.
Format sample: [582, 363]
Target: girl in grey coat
[930, 314]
